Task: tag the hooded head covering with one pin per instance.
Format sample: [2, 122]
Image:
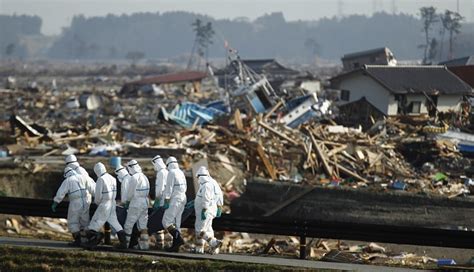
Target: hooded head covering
[70, 159]
[172, 163]
[99, 169]
[121, 172]
[69, 171]
[158, 163]
[133, 167]
[202, 171]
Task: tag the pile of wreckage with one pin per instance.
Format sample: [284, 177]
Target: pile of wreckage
[250, 127]
[243, 132]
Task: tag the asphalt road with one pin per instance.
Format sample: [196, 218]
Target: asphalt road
[221, 257]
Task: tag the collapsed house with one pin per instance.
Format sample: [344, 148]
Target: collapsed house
[378, 56]
[464, 61]
[161, 84]
[275, 72]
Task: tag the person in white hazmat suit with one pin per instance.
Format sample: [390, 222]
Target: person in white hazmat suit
[206, 209]
[160, 183]
[79, 192]
[105, 193]
[175, 200]
[137, 204]
[124, 178]
[72, 162]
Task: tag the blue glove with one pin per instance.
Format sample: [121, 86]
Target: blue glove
[219, 211]
[167, 204]
[190, 204]
[53, 207]
[126, 205]
[203, 214]
[156, 205]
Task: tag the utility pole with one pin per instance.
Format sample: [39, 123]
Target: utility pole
[394, 7]
[340, 8]
[374, 6]
[457, 6]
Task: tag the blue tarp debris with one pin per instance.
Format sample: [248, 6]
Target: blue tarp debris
[187, 114]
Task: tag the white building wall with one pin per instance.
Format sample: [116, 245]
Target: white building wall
[418, 98]
[449, 102]
[392, 106]
[360, 86]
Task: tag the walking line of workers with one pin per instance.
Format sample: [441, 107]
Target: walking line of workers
[170, 194]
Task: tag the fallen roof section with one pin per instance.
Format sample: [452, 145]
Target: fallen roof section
[172, 78]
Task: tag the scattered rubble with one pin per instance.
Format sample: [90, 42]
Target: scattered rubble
[246, 133]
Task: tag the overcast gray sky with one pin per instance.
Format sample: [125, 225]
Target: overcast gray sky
[58, 13]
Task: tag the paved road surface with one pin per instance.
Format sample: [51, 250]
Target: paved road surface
[221, 257]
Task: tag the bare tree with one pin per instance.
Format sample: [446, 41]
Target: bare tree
[429, 17]
[433, 50]
[202, 40]
[452, 23]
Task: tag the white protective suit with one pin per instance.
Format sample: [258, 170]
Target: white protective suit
[124, 178]
[175, 193]
[79, 192]
[137, 196]
[206, 199]
[219, 196]
[161, 176]
[72, 162]
[105, 193]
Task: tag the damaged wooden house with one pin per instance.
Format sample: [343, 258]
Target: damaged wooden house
[189, 81]
[381, 90]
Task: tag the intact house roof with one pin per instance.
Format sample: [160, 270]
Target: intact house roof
[365, 53]
[464, 61]
[411, 79]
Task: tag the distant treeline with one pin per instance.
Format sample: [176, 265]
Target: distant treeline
[12, 29]
[170, 36]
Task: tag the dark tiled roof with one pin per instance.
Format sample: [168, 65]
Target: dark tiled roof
[413, 79]
[364, 53]
[466, 73]
[469, 60]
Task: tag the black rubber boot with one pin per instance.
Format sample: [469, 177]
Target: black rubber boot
[123, 239]
[177, 241]
[134, 239]
[94, 239]
[77, 239]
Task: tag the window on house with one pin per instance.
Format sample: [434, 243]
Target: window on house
[415, 107]
[356, 65]
[345, 95]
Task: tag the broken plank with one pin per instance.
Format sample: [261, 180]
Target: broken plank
[278, 133]
[278, 105]
[336, 150]
[266, 162]
[238, 120]
[349, 172]
[321, 155]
